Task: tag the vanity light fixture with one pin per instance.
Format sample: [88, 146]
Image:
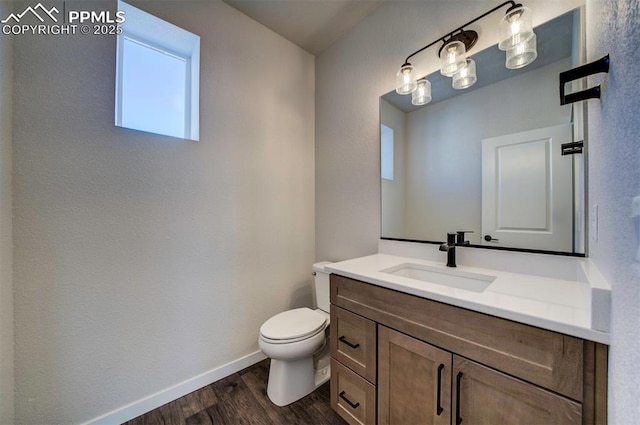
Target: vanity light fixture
[516, 37]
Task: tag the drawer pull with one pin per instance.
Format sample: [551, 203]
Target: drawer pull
[458, 417]
[439, 408]
[344, 340]
[349, 402]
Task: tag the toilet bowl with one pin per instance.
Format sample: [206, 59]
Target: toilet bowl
[296, 342]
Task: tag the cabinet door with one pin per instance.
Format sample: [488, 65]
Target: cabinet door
[485, 396]
[414, 381]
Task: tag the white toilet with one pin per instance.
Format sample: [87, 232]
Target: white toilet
[296, 341]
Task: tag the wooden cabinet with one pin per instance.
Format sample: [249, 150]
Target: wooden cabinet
[422, 384]
[485, 396]
[414, 382]
[440, 364]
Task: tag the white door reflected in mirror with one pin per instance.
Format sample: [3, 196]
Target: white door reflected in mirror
[527, 195]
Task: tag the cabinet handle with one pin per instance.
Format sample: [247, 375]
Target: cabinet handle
[349, 402]
[344, 340]
[458, 417]
[439, 408]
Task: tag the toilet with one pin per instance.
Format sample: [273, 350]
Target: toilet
[296, 341]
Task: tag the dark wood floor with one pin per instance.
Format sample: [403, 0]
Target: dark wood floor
[242, 399]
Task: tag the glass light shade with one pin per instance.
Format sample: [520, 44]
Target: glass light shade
[422, 94]
[466, 77]
[522, 54]
[515, 27]
[406, 79]
[452, 58]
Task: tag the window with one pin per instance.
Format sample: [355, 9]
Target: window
[386, 152]
[158, 76]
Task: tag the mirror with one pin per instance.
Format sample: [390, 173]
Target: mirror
[488, 159]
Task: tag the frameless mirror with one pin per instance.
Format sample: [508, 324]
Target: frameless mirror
[488, 159]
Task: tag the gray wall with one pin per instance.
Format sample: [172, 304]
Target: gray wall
[614, 180]
[6, 247]
[142, 261]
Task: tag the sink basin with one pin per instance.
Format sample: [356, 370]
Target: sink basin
[453, 278]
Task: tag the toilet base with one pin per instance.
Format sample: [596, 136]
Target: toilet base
[289, 381]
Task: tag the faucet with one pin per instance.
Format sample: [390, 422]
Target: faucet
[453, 240]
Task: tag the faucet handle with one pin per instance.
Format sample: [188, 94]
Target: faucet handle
[460, 240]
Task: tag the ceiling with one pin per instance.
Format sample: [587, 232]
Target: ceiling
[311, 24]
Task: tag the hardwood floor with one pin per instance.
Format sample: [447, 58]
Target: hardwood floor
[242, 399]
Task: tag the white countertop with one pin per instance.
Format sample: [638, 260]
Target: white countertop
[564, 306]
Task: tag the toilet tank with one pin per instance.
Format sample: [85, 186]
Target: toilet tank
[321, 285]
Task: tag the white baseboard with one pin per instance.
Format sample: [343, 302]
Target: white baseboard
[160, 398]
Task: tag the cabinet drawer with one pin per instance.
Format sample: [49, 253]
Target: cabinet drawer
[353, 342]
[352, 396]
[545, 358]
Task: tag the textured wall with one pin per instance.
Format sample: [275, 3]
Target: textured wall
[614, 180]
[6, 247]
[142, 261]
[350, 77]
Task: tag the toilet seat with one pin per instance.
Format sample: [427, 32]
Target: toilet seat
[292, 326]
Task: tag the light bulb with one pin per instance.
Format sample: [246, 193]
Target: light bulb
[406, 79]
[466, 77]
[522, 54]
[515, 27]
[422, 94]
[452, 58]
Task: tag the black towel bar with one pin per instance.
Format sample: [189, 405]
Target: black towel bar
[601, 65]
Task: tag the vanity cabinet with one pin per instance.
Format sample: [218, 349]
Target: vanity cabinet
[440, 364]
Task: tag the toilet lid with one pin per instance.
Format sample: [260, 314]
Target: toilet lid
[291, 324]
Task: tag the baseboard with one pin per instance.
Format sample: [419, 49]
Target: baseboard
[160, 398]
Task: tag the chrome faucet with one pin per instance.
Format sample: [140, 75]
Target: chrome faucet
[453, 240]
